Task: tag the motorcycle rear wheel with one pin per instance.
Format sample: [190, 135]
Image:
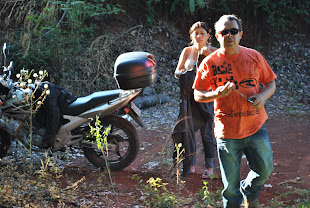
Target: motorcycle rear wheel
[123, 136]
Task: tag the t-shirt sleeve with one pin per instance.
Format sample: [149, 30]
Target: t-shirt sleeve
[266, 73]
[202, 81]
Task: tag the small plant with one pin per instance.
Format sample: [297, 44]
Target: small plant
[157, 194]
[178, 160]
[206, 198]
[34, 95]
[49, 168]
[102, 143]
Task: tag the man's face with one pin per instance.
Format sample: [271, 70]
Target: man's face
[229, 35]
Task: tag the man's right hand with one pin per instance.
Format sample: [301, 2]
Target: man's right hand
[223, 91]
[209, 96]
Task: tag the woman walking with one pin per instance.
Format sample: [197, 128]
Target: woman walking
[193, 115]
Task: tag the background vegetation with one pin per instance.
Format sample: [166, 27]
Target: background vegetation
[78, 41]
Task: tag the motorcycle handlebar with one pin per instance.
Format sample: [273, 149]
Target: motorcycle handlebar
[10, 67]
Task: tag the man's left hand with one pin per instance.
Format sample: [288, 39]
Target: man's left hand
[259, 101]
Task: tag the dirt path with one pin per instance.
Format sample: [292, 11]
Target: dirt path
[290, 139]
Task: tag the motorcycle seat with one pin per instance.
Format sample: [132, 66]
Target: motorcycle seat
[86, 103]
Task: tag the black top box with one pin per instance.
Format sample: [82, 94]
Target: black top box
[135, 70]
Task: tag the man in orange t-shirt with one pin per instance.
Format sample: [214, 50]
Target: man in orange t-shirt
[239, 122]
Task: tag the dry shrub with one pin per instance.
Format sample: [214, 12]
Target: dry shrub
[163, 41]
[90, 67]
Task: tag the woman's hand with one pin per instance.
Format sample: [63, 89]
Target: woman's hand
[178, 72]
[205, 50]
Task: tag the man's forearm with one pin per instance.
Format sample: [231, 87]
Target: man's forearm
[209, 96]
[269, 89]
[204, 96]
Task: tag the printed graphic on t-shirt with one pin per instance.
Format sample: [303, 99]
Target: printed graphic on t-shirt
[249, 82]
[243, 114]
[223, 73]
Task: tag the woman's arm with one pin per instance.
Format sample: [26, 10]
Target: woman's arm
[180, 66]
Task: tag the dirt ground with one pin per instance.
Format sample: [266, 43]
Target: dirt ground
[290, 140]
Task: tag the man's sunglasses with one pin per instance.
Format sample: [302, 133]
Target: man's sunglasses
[233, 31]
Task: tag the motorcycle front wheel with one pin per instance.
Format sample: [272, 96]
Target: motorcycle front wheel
[124, 139]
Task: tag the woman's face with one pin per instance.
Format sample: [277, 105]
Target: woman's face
[200, 36]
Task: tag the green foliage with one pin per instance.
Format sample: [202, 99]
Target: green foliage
[100, 135]
[151, 10]
[279, 16]
[189, 6]
[102, 143]
[175, 7]
[301, 202]
[79, 12]
[157, 194]
[207, 198]
[55, 34]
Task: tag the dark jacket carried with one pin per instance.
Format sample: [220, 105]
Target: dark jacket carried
[192, 116]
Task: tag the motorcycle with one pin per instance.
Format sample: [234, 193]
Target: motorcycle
[132, 71]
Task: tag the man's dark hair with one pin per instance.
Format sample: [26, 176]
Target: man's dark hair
[230, 17]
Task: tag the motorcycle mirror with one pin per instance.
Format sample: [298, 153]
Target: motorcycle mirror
[4, 53]
[4, 48]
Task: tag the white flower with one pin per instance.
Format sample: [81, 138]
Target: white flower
[39, 102]
[13, 96]
[41, 72]
[22, 84]
[34, 75]
[17, 76]
[48, 92]
[180, 145]
[27, 90]
[45, 86]
[29, 81]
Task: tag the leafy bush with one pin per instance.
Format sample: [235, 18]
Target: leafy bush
[186, 6]
[278, 16]
[52, 35]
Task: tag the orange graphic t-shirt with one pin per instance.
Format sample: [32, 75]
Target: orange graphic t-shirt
[235, 118]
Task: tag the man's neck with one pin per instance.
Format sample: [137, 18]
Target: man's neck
[230, 51]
